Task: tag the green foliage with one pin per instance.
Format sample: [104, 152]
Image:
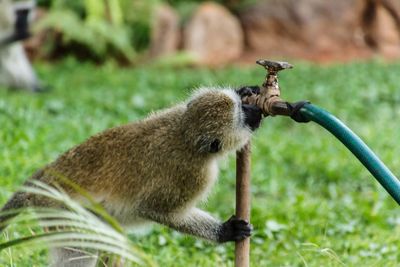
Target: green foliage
[116, 28]
[76, 225]
[234, 5]
[313, 204]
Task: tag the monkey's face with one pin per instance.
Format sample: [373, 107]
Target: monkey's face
[253, 116]
[215, 121]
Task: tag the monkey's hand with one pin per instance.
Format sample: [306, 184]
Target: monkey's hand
[234, 229]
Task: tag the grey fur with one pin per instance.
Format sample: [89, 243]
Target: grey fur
[16, 71]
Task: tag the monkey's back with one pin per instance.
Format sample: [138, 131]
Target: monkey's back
[146, 165]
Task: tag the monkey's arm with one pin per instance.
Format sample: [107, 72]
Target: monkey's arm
[201, 224]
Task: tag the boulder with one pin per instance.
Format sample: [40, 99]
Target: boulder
[382, 26]
[213, 35]
[320, 29]
[165, 36]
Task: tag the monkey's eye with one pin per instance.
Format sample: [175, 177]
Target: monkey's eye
[215, 146]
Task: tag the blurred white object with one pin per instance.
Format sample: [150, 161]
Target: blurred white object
[16, 71]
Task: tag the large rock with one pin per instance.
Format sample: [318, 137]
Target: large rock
[382, 26]
[318, 28]
[213, 35]
[165, 35]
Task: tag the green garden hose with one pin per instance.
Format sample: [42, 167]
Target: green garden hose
[368, 158]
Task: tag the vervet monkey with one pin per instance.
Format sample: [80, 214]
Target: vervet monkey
[15, 69]
[157, 169]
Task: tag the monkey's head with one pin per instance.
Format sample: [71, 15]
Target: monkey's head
[216, 121]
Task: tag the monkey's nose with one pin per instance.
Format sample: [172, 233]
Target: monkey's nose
[253, 116]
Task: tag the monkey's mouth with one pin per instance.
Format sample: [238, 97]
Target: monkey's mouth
[252, 116]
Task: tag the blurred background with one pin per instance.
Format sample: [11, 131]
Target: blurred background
[103, 63]
[214, 33]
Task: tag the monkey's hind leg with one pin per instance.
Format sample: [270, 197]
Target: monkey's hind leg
[72, 257]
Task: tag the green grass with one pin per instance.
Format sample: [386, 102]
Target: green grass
[313, 202]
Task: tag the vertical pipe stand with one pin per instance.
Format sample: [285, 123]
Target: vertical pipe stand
[269, 94]
[242, 248]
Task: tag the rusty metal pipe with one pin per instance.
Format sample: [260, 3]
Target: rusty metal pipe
[243, 161]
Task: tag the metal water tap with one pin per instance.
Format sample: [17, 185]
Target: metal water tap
[269, 98]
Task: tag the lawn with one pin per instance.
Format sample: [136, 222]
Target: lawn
[313, 203]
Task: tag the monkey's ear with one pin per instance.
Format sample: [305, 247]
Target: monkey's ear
[215, 146]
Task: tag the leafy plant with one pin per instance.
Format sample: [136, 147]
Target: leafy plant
[98, 29]
[82, 227]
